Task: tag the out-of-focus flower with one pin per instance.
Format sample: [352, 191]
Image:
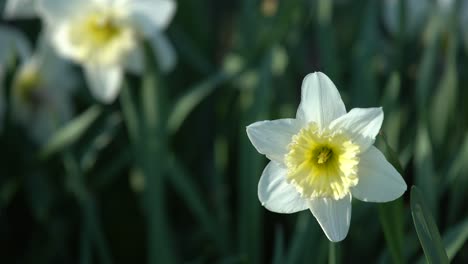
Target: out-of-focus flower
[416, 12]
[105, 36]
[324, 157]
[41, 93]
[20, 9]
[13, 45]
[269, 7]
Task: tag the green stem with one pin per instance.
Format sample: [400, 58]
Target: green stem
[148, 135]
[332, 253]
[255, 104]
[91, 228]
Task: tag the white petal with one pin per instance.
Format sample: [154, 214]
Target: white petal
[164, 52]
[151, 15]
[12, 43]
[320, 100]
[54, 69]
[379, 181]
[361, 124]
[271, 138]
[334, 216]
[104, 81]
[20, 9]
[60, 10]
[134, 62]
[276, 194]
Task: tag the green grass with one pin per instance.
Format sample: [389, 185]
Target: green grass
[166, 173]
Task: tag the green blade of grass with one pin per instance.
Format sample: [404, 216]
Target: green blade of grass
[185, 105]
[427, 231]
[455, 238]
[151, 158]
[91, 223]
[304, 238]
[186, 188]
[69, 134]
[391, 214]
[278, 255]
[254, 107]
[425, 176]
[364, 92]
[326, 39]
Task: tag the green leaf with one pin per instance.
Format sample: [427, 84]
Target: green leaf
[101, 140]
[391, 219]
[455, 238]
[278, 255]
[255, 101]
[391, 214]
[69, 134]
[427, 231]
[304, 238]
[187, 189]
[185, 105]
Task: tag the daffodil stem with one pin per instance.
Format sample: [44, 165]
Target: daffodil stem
[391, 214]
[255, 104]
[332, 253]
[148, 135]
[92, 231]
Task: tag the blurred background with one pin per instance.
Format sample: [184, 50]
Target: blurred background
[85, 182]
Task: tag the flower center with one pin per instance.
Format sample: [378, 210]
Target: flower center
[322, 163]
[102, 36]
[101, 29]
[323, 155]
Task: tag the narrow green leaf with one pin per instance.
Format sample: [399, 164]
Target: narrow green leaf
[278, 251]
[426, 69]
[391, 219]
[455, 238]
[185, 105]
[187, 189]
[91, 223]
[69, 134]
[151, 157]
[129, 113]
[255, 101]
[303, 238]
[444, 101]
[326, 39]
[391, 214]
[425, 176]
[427, 231]
[364, 92]
[102, 139]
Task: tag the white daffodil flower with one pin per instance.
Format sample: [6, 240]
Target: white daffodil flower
[41, 93]
[323, 157]
[105, 36]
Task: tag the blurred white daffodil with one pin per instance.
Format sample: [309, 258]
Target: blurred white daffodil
[41, 93]
[13, 45]
[323, 157]
[105, 36]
